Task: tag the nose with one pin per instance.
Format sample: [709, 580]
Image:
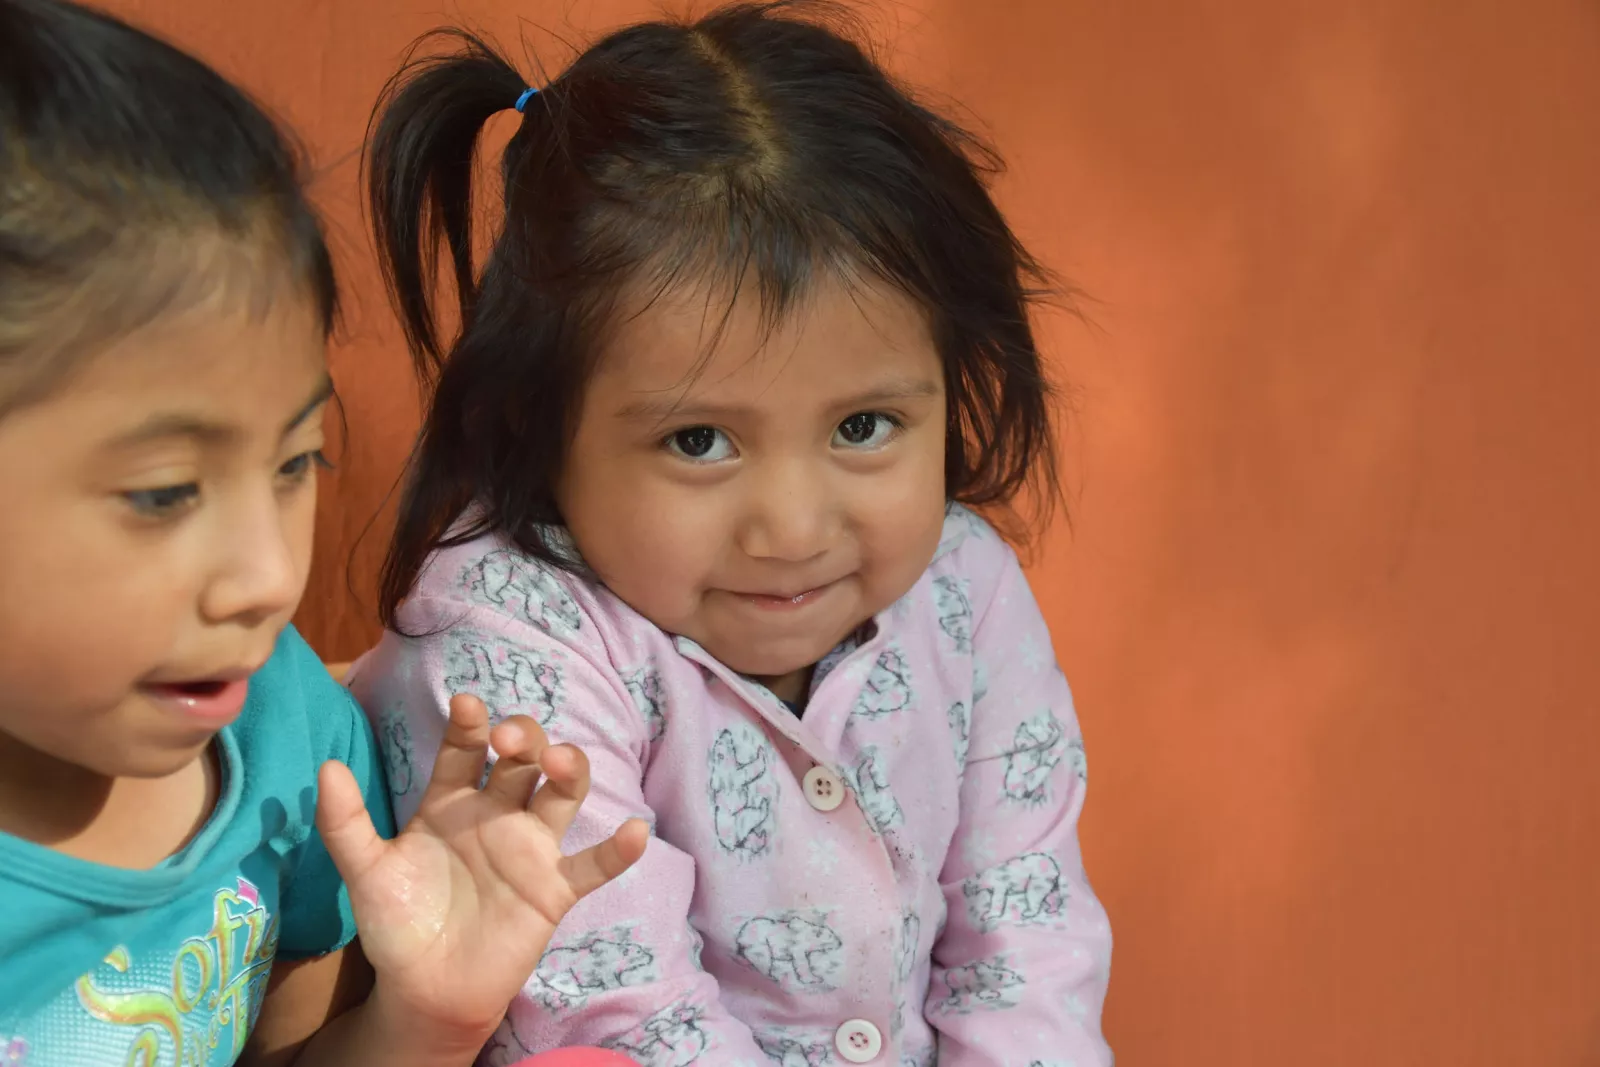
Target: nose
[790, 514]
[260, 564]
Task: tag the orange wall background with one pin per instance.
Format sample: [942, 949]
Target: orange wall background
[1331, 598]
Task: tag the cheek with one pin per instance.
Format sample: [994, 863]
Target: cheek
[300, 530]
[88, 615]
[902, 521]
[906, 534]
[647, 537]
[914, 484]
[92, 563]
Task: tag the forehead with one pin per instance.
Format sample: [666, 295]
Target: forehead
[216, 362]
[699, 343]
[148, 280]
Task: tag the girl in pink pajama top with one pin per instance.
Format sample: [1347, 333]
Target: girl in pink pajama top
[699, 490]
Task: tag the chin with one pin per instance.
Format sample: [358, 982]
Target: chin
[148, 758]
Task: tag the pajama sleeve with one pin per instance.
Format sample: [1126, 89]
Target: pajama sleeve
[1019, 972]
[623, 970]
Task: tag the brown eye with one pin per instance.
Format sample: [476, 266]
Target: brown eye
[703, 444]
[865, 429]
[299, 466]
[163, 501]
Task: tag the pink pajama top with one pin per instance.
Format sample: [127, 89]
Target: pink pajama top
[893, 878]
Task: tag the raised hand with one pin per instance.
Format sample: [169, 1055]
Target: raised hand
[456, 911]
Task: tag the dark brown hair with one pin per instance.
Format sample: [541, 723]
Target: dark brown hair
[759, 142]
[133, 179]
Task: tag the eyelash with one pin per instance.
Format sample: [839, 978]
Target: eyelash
[308, 461]
[167, 501]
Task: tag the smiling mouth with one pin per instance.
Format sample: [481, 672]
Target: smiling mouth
[783, 601]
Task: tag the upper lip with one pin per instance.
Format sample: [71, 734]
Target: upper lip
[227, 674]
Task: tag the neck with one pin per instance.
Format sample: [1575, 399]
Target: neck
[44, 799]
[128, 822]
[792, 686]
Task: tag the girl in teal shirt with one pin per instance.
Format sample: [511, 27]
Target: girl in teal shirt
[193, 821]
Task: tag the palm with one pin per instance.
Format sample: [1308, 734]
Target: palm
[443, 907]
[456, 911]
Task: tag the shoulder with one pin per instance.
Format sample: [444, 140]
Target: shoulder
[490, 575]
[527, 638]
[972, 561]
[295, 707]
[489, 585]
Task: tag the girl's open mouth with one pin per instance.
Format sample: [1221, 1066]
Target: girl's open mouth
[209, 702]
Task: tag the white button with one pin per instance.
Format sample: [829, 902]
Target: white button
[859, 1041]
[823, 789]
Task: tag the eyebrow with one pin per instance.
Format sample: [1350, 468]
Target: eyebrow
[173, 425]
[667, 408]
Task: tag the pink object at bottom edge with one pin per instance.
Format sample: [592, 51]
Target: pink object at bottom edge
[577, 1057]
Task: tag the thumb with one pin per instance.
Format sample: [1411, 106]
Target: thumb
[342, 820]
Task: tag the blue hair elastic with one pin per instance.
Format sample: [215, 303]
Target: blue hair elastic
[527, 94]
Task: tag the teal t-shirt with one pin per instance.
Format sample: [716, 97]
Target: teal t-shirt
[102, 966]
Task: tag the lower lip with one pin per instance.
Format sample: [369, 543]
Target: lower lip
[214, 707]
[785, 603]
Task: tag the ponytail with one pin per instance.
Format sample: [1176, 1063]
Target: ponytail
[419, 169]
[419, 179]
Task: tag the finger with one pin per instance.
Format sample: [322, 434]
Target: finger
[594, 867]
[464, 748]
[519, 743]
[344, 823]
[566, 771]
